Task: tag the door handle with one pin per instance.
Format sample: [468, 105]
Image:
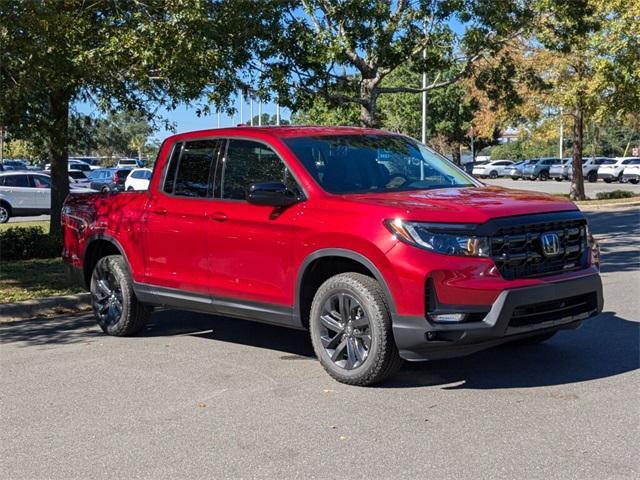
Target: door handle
[218, 216]
[159, 211]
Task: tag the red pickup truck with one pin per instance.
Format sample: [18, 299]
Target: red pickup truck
[380, 247]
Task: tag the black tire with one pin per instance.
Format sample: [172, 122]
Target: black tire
[544, 176]
[105, 189]
[117, 310]
[592, 176]
[634, 181]
[493, 174]
[607, 180]
[515, 178]
[362, 295]
[558, 179]
[534, 340]
[5, 212]
[130, 189]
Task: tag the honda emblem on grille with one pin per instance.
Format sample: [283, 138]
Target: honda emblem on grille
[550, 244]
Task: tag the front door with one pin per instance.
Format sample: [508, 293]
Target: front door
[175, 220]
[250, 246]
[42, 187]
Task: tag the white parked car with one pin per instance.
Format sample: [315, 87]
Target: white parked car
[129, 163]
[73, 165]
[24, 194]
[631, 173]
[138, 179]
[614, 171]
[591, 166]
[493, 169]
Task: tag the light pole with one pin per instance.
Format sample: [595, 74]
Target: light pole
[241, 102]
[277, 114]
[561, 134]
[260, 113]
[251, 111]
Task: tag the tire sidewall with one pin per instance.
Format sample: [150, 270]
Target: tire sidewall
[376, 324]
[7, 214]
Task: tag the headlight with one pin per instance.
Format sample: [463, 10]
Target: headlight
[440, 238]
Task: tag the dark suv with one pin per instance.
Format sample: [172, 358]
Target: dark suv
[108, 179]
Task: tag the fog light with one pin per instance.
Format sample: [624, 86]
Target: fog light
[448, 317]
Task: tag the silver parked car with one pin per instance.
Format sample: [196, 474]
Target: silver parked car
[539, 168]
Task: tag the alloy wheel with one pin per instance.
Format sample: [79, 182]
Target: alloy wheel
[345, 331]
[4, 214]
[106, 295]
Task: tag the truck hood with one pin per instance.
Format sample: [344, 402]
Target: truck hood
[464, 205]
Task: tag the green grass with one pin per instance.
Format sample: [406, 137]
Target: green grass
[44, 224]
[29, 279]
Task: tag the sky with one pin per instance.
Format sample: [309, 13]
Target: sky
[186, 119]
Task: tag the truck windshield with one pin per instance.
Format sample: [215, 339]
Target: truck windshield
[375, 163]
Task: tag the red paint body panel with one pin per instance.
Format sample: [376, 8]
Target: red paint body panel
[231, 249]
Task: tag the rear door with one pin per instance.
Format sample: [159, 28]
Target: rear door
[175, 220]
[250, 246]
[19, 191]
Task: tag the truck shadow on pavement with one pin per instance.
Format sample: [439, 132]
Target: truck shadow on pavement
[605, 346]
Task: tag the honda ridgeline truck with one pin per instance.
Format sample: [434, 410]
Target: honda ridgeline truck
[380, 247]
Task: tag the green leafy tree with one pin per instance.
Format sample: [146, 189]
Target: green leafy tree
[588, 53]
[343, 50]
[118, 54]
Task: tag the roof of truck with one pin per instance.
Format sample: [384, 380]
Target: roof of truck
[281, 131]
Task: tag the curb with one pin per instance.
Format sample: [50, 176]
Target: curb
[43, 307]
[605, 206]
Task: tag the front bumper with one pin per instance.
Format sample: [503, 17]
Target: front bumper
[419, 339]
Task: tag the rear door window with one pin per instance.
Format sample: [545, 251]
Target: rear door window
[194, 163]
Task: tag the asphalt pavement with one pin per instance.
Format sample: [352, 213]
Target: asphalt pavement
[196, 396]
[554, 187]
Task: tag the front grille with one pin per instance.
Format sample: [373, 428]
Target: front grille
[517, 250]
[554, 310]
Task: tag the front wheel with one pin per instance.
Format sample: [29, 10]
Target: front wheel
[5, 213]
[607, 180]
[592, 177]
[558, 179]
[115, 306]
[351, 333]
[493, 175]
[544, 176]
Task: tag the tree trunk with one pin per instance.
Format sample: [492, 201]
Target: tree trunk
[58, 152]
[455, 154]
[576, 191]
[369, 108]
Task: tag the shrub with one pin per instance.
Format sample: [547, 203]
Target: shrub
[615, 194]
[21, 243]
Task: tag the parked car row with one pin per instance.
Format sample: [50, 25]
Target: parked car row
[28, 193]
[622, 169]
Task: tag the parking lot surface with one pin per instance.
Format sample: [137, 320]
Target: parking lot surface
[551, 186]
[195, 396]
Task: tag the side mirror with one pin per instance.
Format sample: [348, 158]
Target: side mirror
[273, 194]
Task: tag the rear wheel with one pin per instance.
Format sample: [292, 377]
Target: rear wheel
[5, 213]
[350, 328]
[558, 179]
[592, 177]
[634, 181]
[544, 176]
[493, 174]
[105, 189]
[607, 180]
[115, 306]
[130, 189]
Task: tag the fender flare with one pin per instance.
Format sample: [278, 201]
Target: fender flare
[351, 255]
[108, 238]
